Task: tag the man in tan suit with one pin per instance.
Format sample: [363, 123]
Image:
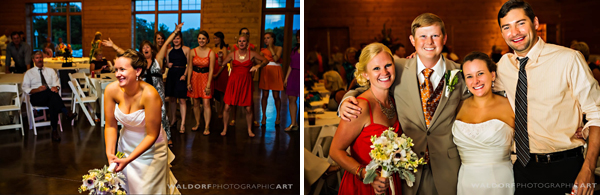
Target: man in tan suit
[426, 108]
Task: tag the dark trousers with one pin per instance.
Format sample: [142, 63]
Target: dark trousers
[547, 178]
[51, 100]
[19, 69]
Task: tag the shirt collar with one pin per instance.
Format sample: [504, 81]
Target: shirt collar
[439, 68]
[533, 54]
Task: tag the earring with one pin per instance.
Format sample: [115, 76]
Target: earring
[493, 84]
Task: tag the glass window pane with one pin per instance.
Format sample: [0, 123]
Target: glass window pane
[295, 29]
[76, 36]
[168, 5]
[166, 23]
[275, 24]
[75, 6]
[296, 3]
[58, 7]
[275, 3]
[190, 29]
[144, 29]
[145, 5]
[59, 30]
[190, 5]
[40, 8]
[40, 31]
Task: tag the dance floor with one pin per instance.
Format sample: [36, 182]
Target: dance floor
[235, 164]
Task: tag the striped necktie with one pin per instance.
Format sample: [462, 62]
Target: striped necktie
[521, 135]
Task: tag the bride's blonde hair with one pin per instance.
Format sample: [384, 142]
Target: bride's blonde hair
[366, 55]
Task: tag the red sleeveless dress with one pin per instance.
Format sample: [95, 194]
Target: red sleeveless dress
[360, 148]
[239, 87]
[199, 80]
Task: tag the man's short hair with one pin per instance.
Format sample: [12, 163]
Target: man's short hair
[14, 33]
[427, 19]
[514, 4]
[38, 52]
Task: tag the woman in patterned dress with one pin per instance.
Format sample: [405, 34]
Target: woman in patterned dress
[271, 76]
[153, 74]
[199, 80]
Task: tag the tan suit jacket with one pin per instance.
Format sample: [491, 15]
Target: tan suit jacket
[443, 154]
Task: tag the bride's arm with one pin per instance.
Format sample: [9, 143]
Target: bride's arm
[110, 128]
[152, 107]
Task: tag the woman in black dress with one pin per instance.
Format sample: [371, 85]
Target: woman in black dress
[176, 86]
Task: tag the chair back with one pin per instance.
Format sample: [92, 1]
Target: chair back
[320, 146]
[12, 88]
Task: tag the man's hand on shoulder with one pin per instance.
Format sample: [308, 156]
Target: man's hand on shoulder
[349, 109]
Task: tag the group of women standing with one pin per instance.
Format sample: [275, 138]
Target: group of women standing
[202, 74]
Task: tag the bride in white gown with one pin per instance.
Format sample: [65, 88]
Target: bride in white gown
[483, 132]
[137, 105]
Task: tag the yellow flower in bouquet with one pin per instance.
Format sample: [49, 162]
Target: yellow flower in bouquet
[393, 154]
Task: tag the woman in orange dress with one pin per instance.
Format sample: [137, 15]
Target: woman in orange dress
[271, 76]
[200, 79]
[239, 88]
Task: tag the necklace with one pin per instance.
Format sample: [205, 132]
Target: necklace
[242, 57]
[390, 112]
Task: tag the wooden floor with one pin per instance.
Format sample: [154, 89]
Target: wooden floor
[203, 164]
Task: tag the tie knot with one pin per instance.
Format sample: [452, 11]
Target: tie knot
[427, 73]
[523, 62]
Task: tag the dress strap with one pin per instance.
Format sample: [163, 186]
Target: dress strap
[368, 103]
[196, 52]
[209, 52]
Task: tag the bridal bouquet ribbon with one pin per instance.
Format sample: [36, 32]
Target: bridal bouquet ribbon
[104, 181]
[393, 154]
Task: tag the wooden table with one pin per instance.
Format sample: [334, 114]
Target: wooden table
[99, 85]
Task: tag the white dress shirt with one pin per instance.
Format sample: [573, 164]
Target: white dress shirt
[33, 80]
[438, 72]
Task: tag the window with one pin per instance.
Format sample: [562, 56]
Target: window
[51, 21]
[153, 16]
[282, 17]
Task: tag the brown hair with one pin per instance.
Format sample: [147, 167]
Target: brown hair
[272, 36]
[476, 55]
[583, 48]
[427, 19]
[137, 60]
[152, 48]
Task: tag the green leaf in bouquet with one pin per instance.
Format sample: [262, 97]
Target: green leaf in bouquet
[370, 176]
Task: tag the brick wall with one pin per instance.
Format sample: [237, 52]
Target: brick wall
[113, 19]
[471, 25]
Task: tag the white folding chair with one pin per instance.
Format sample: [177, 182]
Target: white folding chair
[33, 124]
[81, 79]
[326, 131]
[81, 99]
[12, 107]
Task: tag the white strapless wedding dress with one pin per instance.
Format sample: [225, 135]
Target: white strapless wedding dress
[150, 173]
[484, 150]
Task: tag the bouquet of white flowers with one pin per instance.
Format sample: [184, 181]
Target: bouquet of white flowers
[104, 181]
[393, 154]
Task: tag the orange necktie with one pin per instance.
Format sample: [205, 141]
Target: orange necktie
[426, 91]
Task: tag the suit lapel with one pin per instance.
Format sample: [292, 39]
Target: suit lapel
[444, 99]
[409, 91]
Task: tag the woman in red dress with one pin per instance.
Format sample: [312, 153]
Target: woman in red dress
[221, 76]
[271, 76]
[239, 88]
[199, 80]
[375, 69]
